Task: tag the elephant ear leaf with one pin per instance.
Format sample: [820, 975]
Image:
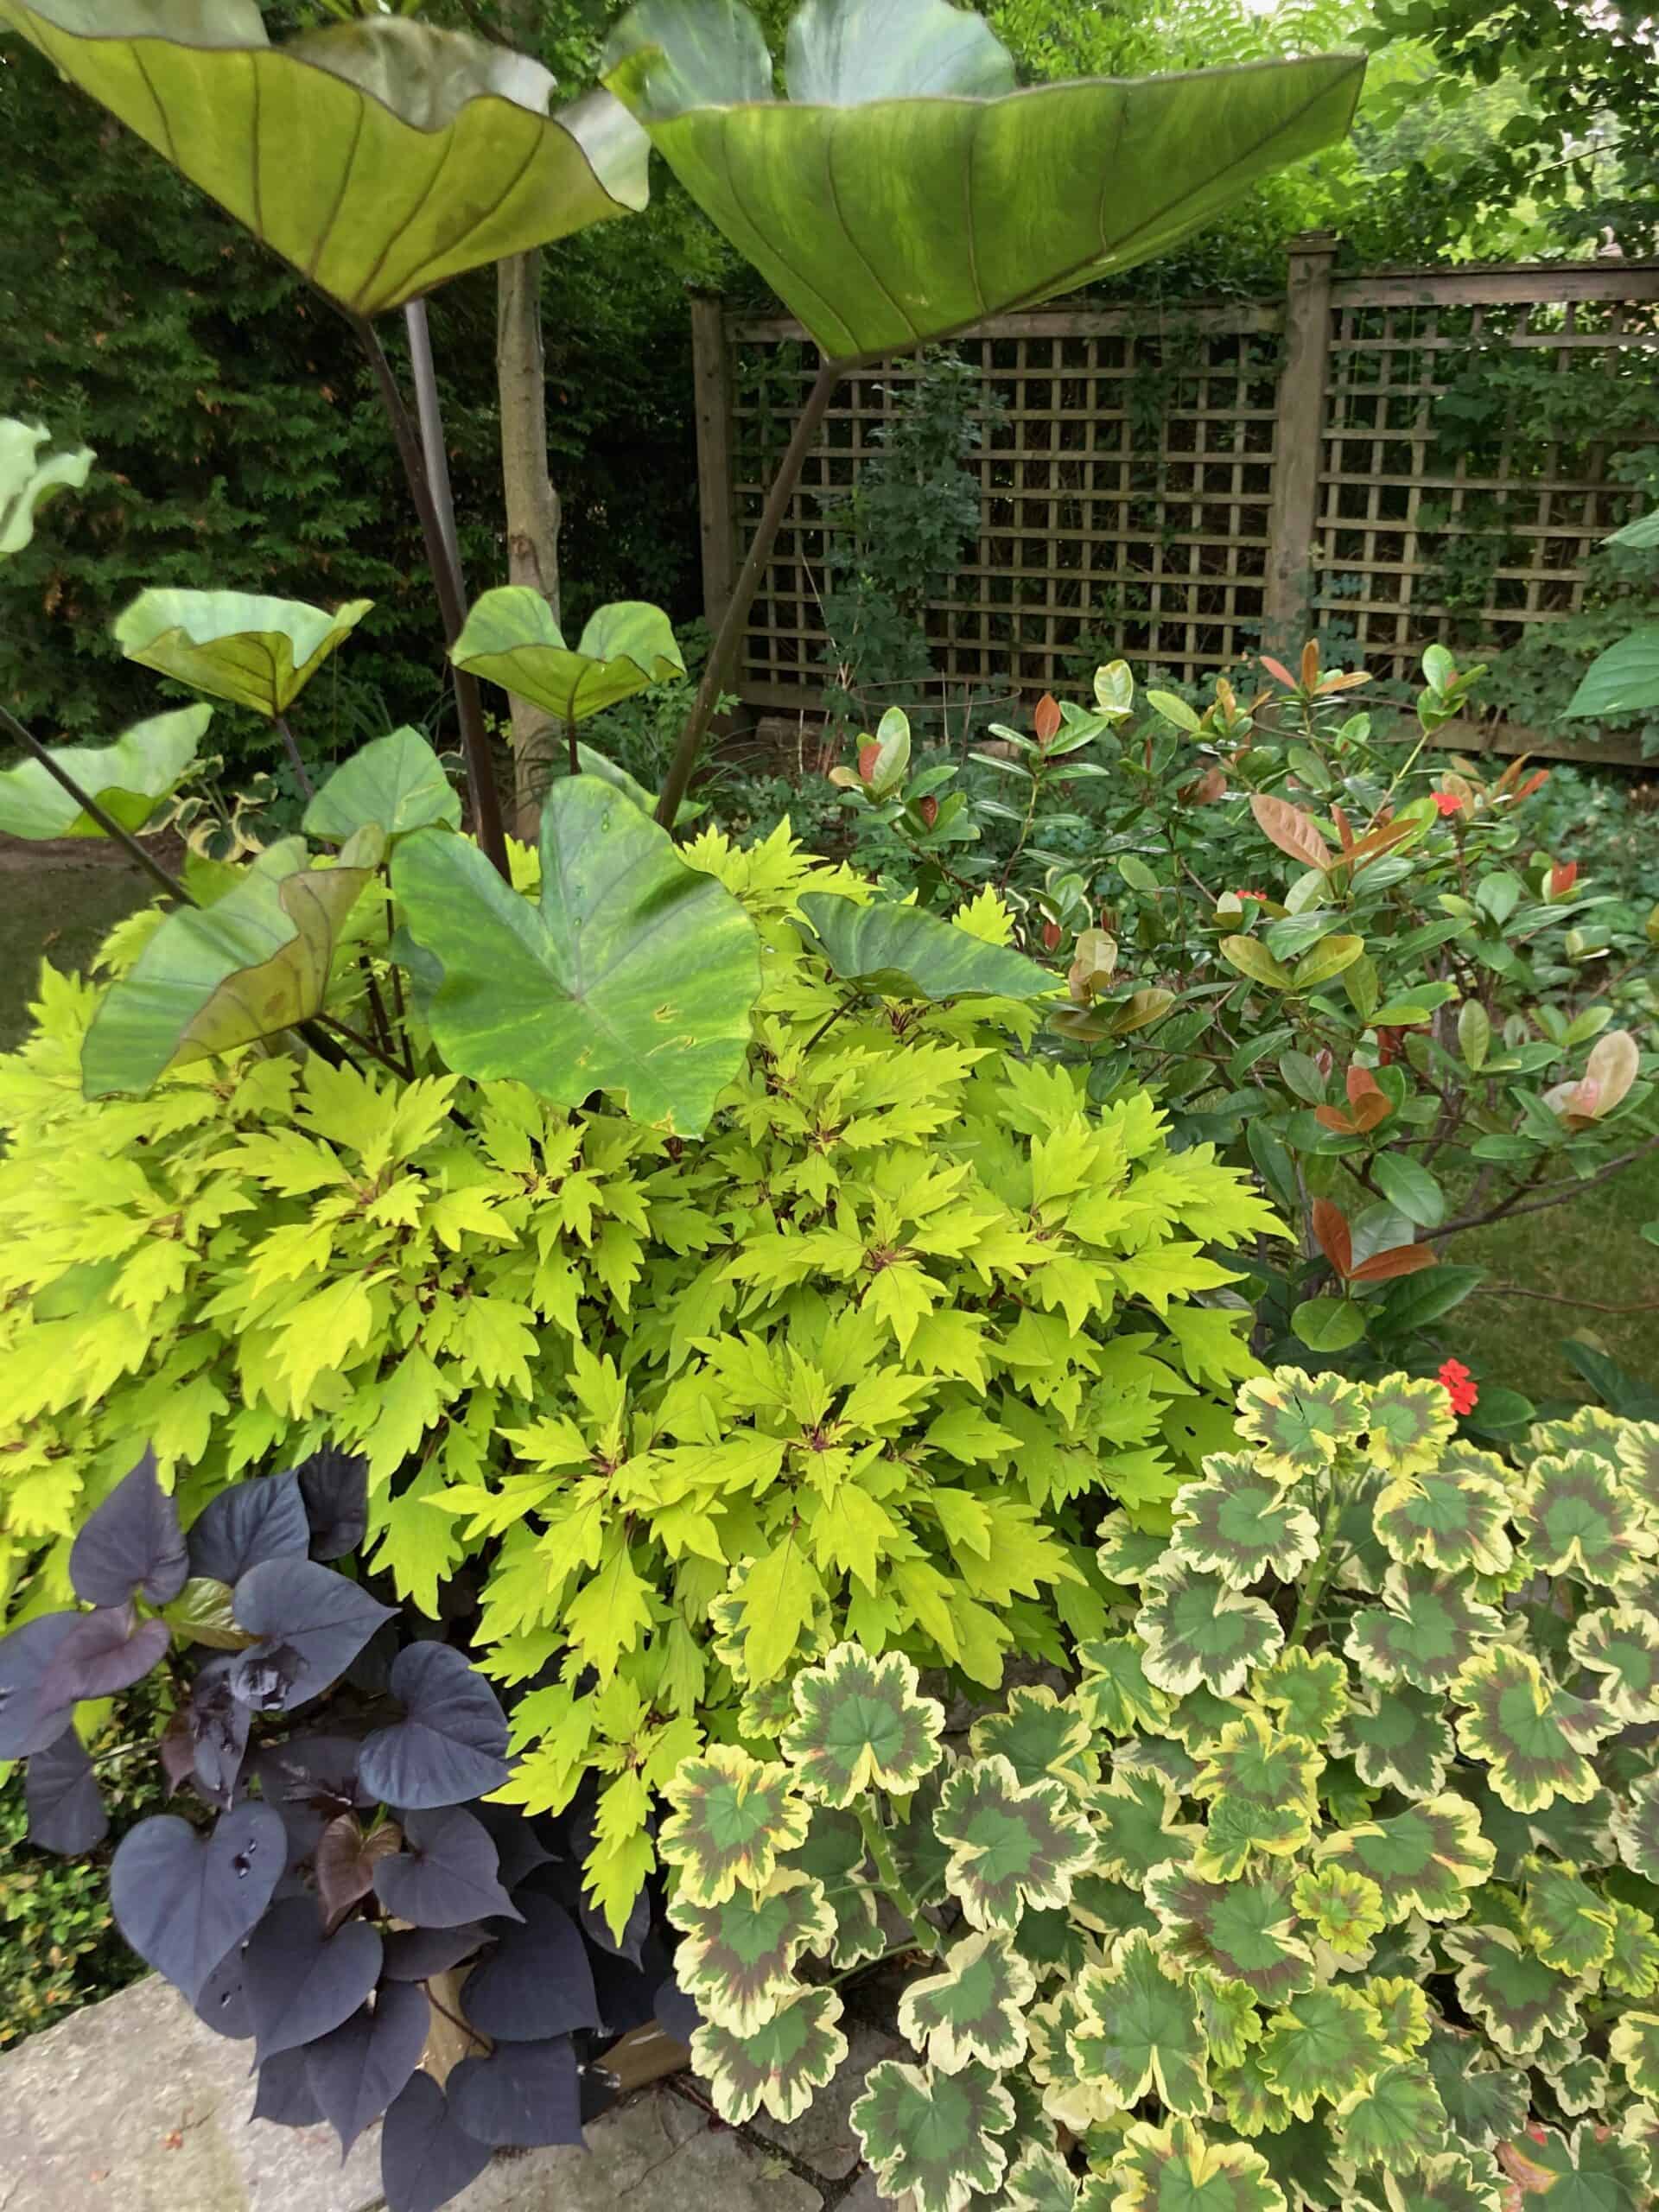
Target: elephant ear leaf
[861, 1724]
[902, 953]
[396, 783]
[510, 638]
[26, 479]
[259, 653]
[129, 779]
[254, 963]
[931, 2136]
[380, 157]
[634, 973]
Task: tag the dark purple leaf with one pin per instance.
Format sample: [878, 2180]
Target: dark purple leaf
[28, 1722]
[675, 2014]
[335, 1487]
[130, 1546]
[285, 2096]
[345, 1860]
[104, 1651]
[310, 1780]
[537, 1982]
[66, 1813]
[312, 1623]
[626, 1993]
[426, 2158]
[450, 1744]
[301, 1982]
[357, 2068]
[217, 1722]
[222, 2000]
[446, 1872]
[518, 1847]
[522, 2094]
[184, 1901]
[254, 1520]
[416, 1954]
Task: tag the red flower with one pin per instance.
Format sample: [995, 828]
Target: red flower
[1460, 1387]
[1448, 802]
[1260, 897]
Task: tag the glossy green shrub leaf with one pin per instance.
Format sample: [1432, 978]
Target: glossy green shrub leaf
[259, 653]
[1427, 1859]
[634, 973]
[396, 783]
[861, 1724]
[902, 953]
[1623, 680]
[251, 965]
[738, 1957]
[732, 1818]
[777, 2067]
[1535, 1738]
[27, 480]
[1011, 1844]
[129, 779]
[931, 2137]
[511, 638]
[380, 156]
[972, 2011]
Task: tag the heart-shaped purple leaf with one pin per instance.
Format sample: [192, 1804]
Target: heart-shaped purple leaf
[29, 1722]
[335, 1487]
[222, 2000]
[310, 1780]
[522, 2094]
[311, 1621]
[262, 1518]
[520, 1850]
[675, 2014]
[416, 1954]
[301, 1983]
[357, 2068]
[184, 1901]
[104, 1651]
[426, 2158]
[446, 1873]
[627, 1993]
[216, 1723]
[131, 1545]
[66, 1813]
[537, 1982]
[451, 1742]
[285, 2097]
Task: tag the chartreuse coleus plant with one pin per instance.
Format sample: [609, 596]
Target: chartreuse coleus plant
[335, 1885]
[669, 1414]
[1332, 1879]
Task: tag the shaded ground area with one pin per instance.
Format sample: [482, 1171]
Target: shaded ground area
[59, 898]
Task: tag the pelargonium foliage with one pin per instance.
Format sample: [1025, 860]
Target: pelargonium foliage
[336, 1886]
[1332, 1879]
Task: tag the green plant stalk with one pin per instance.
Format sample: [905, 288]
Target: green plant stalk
[1319, 1573]
[722, 653]
[295, 762]
[879, 1846]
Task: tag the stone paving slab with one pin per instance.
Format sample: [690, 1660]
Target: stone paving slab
[134, 2105]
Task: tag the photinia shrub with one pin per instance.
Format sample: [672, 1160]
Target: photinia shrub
[653, 1419]
[1332, 1879]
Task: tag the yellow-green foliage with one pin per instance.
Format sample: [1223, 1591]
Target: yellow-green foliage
[686, 1410]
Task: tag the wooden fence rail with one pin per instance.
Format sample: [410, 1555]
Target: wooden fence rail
[1185, 488]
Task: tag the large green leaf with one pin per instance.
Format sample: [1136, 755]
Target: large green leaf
[255, 652]
[129, 778]
[906, 189]
[1625, 680]
[26, 479]
[510, 638]
[254, 963]
[634, 974]
[905, 954]
[380, 156]
[396, 782]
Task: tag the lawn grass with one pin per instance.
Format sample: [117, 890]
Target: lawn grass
[63, 909]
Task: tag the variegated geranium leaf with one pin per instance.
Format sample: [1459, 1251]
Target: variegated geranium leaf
[1579, 2084]
[1509, 1989]
[1243, 1930]
[862, 1723]
[1197, 1720]
[1297, 1423]
[1427, 1628]
[1453, 1517]
[1568, 1924]
[1401, 1739]
[1177, 2165]
[1324, 2046]
[1396, 2121]
[1054, 2064]
[1227, 2014]
[1592, 1429]
[1485, 2103]
[921, 1853]
[1340, 1906]
[1127, 1553]
[1631, 1969]
[974, 2010]
[1428, 1858]
[1634, 2045]
[780, 2066]
[1104, 1907]
[1137, 1824]
[1011, 1844]
[1114, 1694]
[1039, 1734]
[1636, 1445]
[834, 1854]
[1401, 2011]
[1196, 1629]
[932, 2136]
[1038, 2181]
[738, 1957]
[1580, 1518]
[1309, 1691]
[1533, 1736]
[1451, 2181]
[1240, 1525]
[1411, 1421]
[1619, 1645]
[731, 1818]
[1252, 2105]
[1593, 2172]
[1638, 2126]
[1262, 1791]
[1138, 2030]
[1636, 1828]
[1302, 2159]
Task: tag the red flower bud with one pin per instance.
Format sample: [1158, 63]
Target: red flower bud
[929, 810]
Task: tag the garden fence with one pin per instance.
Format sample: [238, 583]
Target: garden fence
[1186, 487]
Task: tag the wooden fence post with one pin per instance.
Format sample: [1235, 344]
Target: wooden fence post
[1298, 444]
[712, 379]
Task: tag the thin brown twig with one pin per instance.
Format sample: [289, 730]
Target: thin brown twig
[1510, 1210]
[1560, 1298]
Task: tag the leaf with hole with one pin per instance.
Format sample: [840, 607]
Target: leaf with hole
[311, 1624]
[183, 1901]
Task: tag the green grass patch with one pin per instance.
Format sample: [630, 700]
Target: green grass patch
[61, 910]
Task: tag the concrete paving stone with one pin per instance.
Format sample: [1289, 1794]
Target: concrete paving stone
[823, 2137]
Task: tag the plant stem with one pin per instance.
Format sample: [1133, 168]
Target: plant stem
[363, 1044]
[879, 1846]
[295, 762]
[1319, 1573]
[571, 733]
[436, 511]
[89, 806]
[723, 653]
